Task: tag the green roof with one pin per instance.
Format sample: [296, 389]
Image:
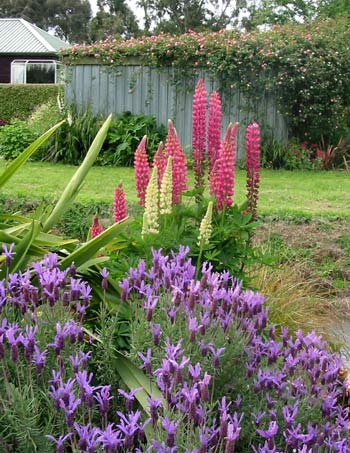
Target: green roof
[19, 36]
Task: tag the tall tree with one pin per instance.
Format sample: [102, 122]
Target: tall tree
[113, 18]
[68, 18]
[272, 12]
[178, 16]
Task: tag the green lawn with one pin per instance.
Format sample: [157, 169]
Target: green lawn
[282, 192]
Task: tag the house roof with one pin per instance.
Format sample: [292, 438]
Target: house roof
[19, 36]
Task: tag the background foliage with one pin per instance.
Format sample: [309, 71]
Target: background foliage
[20, 100]
[306, 67]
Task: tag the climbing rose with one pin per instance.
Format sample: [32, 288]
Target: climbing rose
[96, 228]
[214, 128]
[141, 168]
[173, 149]
[253, 166]
[119, 205]
[199, 133]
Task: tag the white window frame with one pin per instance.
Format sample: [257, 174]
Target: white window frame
[24, 63]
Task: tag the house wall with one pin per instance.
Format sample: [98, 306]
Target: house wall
[6, 60]
[142, 90]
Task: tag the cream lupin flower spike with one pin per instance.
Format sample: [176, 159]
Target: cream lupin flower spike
[150, 223]
[166, 189]
[205, 228]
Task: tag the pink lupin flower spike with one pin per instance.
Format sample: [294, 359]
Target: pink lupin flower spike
[179, 167]
[119, 206]
[160, 162]
[214, 128]
[199, 133]
[96, 227]
[253, 166]
[141, 169]
[225, 173]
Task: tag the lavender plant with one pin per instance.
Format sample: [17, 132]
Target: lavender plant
[218, 379]
[229, 385]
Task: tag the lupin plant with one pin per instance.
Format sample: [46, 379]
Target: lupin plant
[173, 149]
[214, 129]
[150, 224]
[223, 173]
[160, 162]
[253, 166]
[96, 227]
[142, 171]
[199, 135]
[119, 205]
[166, 190]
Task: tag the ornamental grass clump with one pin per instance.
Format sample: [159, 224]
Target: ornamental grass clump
[228, 384]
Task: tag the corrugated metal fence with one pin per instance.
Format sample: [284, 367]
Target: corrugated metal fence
[142, 90]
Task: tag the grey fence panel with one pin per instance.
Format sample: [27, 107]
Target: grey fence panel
[142, 90]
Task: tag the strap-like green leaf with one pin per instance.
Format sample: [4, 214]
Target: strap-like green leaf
[24, 156]
[72, 188]
[22, 247]
[90, 249]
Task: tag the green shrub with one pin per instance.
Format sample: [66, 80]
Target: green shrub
[14, 138]
[124, 135]
[19, 101]
[75, 137]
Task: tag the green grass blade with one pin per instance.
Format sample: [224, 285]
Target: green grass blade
[75, 183]
[25, 155]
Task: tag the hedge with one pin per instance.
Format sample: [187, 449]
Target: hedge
[19, 101]
[306, 67]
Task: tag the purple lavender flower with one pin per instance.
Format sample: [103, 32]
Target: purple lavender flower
[128, 424]
[39, 359]
[104, 274]
[8, 253]
[269, 434]
[86, 390]
[103, 398]
[154, 406]
[110, 439]
[171, 428]
[129, 397]
[216, 354]
[156, 332]
[146, 359]
[59, 442]
[88, 437]
[204, 387]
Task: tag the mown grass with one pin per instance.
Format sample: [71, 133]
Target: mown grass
[282, 193]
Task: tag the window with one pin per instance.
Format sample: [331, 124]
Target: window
[35, 71]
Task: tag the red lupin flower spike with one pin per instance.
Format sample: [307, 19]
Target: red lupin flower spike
[141, 169]
[253, 166]
[119, 206]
